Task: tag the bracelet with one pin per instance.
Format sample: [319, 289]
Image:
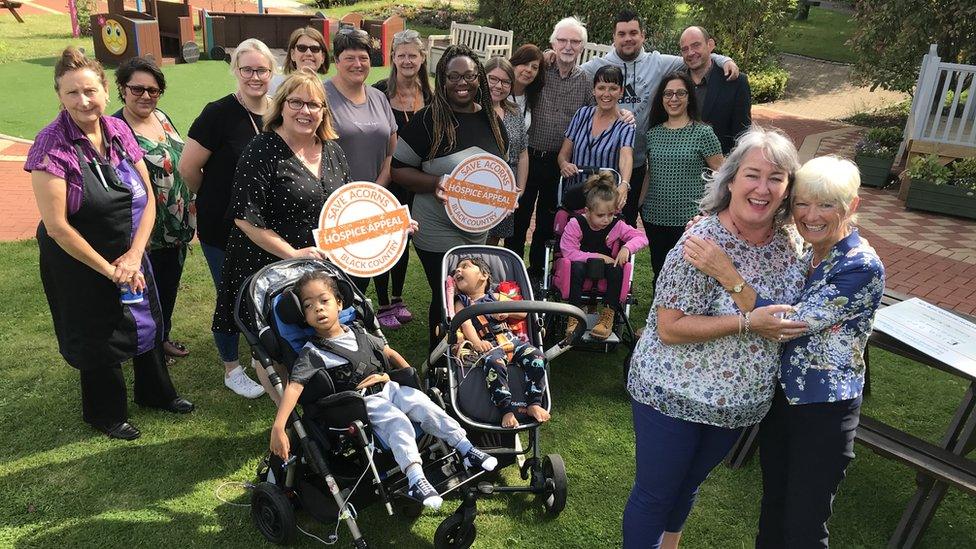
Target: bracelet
[739, 318]
[747, 322]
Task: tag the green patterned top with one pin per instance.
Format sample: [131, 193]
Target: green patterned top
[176, 212]
[676, 160]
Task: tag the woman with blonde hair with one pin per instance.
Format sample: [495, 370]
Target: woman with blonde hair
[213, 146]
[286, 175]
[306, 50]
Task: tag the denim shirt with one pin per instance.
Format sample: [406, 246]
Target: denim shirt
[838, 301]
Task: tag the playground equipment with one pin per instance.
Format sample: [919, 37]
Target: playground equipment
[164, 31]
[225, 30]
[381, 32]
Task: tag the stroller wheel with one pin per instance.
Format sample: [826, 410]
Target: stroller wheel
[455, 533]
[554, 474]
[273, 514]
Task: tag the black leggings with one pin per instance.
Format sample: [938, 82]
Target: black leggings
[661, 238]
[431, 262]
[399, 275]
[167, 266]
[103, 396]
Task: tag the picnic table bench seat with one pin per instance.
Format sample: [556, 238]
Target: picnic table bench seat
[485, 41]
[12, 6]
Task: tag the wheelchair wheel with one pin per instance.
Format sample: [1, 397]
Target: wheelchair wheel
[554, 475]
[273, 514]
[455, 533]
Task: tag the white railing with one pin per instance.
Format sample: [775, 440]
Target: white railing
[934, 116]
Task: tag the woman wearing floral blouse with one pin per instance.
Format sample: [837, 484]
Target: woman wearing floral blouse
[702, 370]
[141, 84]
[807, 439]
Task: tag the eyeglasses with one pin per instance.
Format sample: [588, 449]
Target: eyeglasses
[469, 77]
[260, 72]
[681, 94]
[495, 81]
[303, 48]
[297, 104]
[139, 90]
[564, 41]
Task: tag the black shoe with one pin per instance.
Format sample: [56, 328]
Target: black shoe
[123, 430]
[178, 405]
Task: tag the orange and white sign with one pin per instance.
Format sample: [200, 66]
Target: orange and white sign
[480, 193]
[363, 229]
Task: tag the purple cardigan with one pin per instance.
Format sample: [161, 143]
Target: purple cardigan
[53, 151]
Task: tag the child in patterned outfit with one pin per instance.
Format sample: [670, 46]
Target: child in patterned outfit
[499, 347]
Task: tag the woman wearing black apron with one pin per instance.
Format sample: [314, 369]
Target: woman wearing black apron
[91, 188]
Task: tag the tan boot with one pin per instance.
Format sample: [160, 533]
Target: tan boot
[604, 327]
[571, 327]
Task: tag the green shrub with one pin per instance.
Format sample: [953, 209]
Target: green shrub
[892, 115]
[879, 143]
[928, 168]
[85, 10]
[768, 84]
[964, 173]
[532, 20]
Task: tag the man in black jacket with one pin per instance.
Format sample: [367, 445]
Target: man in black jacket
[724, 104]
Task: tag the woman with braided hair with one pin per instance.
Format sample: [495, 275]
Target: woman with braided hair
[458, 123]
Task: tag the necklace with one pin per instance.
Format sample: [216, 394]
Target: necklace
[410, 104]
[762, 242]
[250, 115]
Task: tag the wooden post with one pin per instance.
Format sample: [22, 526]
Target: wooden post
[73, 12]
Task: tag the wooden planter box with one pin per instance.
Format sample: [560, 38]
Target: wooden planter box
[944, 199]
[874, 171]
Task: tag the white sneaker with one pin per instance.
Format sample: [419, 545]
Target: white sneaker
[238, 382]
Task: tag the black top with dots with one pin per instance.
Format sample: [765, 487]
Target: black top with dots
[273, 189]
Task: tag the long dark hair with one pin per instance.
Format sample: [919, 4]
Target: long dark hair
[658, 114]
[445, 124]
[526, 54]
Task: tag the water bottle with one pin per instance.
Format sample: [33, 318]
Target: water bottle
[128, 296]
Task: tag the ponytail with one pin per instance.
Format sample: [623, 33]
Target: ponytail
[601, 187]
[72, 60]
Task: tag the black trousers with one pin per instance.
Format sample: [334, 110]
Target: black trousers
[613, 274]
[541, 197]
[399, 275]
[431, 262]
[661, 238]
[804, 451]
[167, 266]
[103, 394]
[632, 208]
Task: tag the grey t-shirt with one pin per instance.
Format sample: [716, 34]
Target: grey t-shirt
[364, 130]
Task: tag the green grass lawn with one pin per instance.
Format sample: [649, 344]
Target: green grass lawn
[65, 485]
[823, 36]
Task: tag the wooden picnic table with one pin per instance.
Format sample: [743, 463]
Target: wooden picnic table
[939, 466]
[12, 6]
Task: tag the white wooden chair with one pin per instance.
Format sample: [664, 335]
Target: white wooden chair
[485, 41]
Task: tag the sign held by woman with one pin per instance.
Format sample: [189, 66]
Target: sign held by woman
[480, 193]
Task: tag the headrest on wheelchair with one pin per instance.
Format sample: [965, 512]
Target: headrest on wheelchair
[289, 306]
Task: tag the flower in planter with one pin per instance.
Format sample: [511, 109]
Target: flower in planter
[879, 143]
[928, 168]
[964, 173]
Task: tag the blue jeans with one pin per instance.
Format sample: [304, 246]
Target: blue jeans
[674, 457]
[226, 343]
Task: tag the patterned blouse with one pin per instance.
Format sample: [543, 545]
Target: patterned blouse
[675, 162]
[729, 381]
[838, 302]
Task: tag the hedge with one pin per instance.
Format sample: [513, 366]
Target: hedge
[768, 84]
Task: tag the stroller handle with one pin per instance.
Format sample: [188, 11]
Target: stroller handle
[546, 307]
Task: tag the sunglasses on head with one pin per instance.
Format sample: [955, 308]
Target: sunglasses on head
[303, 48]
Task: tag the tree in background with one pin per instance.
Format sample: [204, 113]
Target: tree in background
[745, 30]
[891, 36]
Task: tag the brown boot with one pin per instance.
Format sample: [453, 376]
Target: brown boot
[604, 327]
[571, 327]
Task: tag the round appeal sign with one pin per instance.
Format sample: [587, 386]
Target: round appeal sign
[480, 193]
[363, 229]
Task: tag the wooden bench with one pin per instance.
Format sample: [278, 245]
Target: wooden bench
[12, 6]
[485, 41]
[593, 50]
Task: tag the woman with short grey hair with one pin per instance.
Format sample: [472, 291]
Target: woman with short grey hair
[701, 370]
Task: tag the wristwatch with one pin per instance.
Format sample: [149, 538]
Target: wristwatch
[737, 288]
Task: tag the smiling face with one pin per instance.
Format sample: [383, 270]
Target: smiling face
[114, 38]
[607, 94]
[407, 58]
[628, 40]
[568, 44]
[525, 74]
[758, 190]
[695, 49]
[469, 279]
[500, 85]
[305, 120]
[308, 58]
[353, 67]
[677, 104]
[255, 85]
[822, 223]
[321, 308]
[141, 105]
[461, 93]
[83, 96]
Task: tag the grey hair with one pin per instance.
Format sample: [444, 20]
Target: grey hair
[777, 148]
[571, 23]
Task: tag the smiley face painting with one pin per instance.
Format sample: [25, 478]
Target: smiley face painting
[114, 38]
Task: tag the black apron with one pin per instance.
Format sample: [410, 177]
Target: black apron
[94, 329]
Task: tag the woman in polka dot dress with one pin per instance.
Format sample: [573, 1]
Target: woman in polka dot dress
[679, 148]
[283, 178]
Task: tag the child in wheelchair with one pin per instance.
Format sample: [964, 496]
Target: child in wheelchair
[390, 406]
[598, 243]
[493, 344]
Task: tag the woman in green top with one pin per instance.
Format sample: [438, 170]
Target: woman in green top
[679, 148]
[141, 83]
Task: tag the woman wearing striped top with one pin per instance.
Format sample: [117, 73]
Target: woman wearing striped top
[597, 137]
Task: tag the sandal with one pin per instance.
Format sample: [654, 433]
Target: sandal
[175, 349]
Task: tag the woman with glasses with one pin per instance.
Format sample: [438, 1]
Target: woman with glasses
[214, 144]
[285, 176]
[598, 137]
[140, 84]
[306, 50]
[501, 78]
[365, 124]
[460, 122]
[408, 90]
[679, 149]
